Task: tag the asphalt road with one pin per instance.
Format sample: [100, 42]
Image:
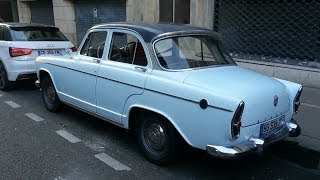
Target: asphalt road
[31, 147]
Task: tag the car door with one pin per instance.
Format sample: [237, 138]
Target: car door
[79, 83]
[123, 74]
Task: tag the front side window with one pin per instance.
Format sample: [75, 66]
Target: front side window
[128, 49]
[37, 34]
[186, 52]
[94, 44]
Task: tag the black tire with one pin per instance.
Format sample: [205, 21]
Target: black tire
[5, 84]
[163, 147]
[49, 95]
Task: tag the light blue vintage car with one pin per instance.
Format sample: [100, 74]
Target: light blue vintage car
[171, 84]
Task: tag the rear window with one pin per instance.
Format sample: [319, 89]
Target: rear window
[37, 34]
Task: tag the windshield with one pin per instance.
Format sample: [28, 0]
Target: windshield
[185, 52]
[37, 34]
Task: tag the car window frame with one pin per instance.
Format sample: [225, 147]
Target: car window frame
[85, 38]
[7, 34]
[2, 38]
[136, 35]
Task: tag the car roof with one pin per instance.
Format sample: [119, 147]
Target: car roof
[150, 32]
[16, 24]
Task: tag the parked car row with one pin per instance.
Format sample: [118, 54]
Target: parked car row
[167, 83]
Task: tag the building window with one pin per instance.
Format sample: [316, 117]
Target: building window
[175, 11]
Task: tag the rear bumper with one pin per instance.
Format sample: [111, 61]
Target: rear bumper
[291, 129]
[20, 69]
[27, 76]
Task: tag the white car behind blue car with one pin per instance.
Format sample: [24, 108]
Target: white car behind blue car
[171, 83]
[21, 44]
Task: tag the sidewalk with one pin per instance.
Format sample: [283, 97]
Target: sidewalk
[309, 119]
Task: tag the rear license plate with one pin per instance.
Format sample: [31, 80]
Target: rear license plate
[272, 125]
[56, 52]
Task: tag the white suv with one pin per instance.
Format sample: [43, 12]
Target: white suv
[21, 44]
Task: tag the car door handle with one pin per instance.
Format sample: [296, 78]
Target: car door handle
[97, 60]
[141, 69]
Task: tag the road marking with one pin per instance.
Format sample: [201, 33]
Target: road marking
[13, 104]
[34, 117]
[68, 136]
[112, 162]
[310, 105]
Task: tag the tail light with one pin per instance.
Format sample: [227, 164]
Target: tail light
[236, 121]
[296, 102]
[74, 49]
[14, 52]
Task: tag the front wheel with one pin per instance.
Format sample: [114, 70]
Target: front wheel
[157, 139]
[49, 95]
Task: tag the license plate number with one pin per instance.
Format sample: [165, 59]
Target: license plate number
[56, 52]
[271, 125]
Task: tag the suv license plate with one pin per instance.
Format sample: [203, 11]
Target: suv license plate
[56, 52]
[272, 125]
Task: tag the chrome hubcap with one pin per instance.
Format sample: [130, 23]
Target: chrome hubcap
[155, 136]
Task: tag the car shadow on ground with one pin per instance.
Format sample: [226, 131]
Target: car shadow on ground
[24, 86]
[294, 153]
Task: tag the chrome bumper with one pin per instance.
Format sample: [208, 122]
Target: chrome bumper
[291, 129]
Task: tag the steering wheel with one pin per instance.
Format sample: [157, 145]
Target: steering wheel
[126, 47]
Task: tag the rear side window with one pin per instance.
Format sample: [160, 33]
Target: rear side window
[37, 34]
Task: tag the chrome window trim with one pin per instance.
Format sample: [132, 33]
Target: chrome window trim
[170, 35]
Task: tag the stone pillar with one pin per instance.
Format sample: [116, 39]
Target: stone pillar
[202, 13]
[151, 11]
[143, 11]
[135, 9]
[24, 11]
[64, 18]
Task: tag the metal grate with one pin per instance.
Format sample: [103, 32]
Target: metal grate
[285, 31]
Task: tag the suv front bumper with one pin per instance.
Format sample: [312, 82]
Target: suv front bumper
[291, 129]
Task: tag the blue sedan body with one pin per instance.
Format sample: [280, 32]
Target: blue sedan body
[223, 109]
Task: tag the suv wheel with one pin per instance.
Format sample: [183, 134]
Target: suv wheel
[5, 84]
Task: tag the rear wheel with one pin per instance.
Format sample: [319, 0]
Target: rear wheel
[49, 95]
[5, 84]
[157, 139]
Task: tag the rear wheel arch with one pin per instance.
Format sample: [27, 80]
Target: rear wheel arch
[137, 111]
[43, 73]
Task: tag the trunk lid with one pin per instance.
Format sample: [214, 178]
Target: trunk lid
[259, 92]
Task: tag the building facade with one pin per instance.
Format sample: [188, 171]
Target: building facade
[265, 35]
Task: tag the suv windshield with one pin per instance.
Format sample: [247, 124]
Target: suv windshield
[37, 34]
[186, 52]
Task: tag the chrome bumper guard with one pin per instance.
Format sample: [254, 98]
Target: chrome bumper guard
[37, 84]
[291, 129]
